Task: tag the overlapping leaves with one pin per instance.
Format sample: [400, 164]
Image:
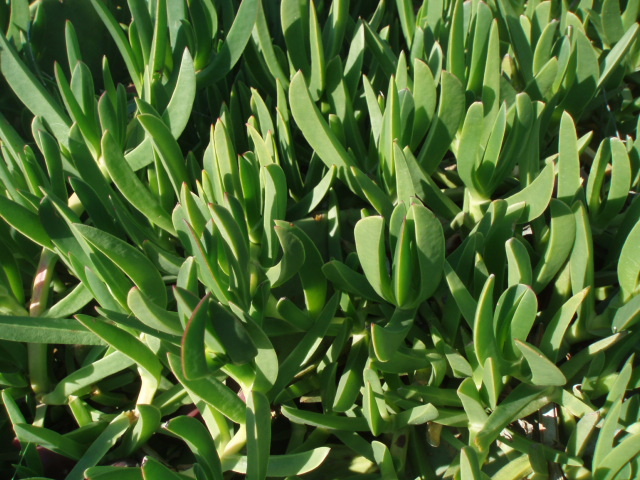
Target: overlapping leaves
[335, 238]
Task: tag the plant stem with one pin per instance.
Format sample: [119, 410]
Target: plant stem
[475, 205]
[38, 353]
[236, 444]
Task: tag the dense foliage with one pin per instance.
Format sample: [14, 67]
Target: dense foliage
[338, 239]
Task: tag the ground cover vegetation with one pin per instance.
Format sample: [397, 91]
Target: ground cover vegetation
[324, 240]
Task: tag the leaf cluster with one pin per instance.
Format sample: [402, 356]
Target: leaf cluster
[325, 240]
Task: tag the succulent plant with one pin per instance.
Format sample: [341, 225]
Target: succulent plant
[322, 240]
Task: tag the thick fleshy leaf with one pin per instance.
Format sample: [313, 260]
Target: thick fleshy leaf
[387, 339]
[315, 128]
[49, 439]
[445, 125]
[455, 50]
[309, 202]
[469, 465]
[543, 371]
[370, 245]
[86, 376]
[430, 249]
[233, 46]
[568, 161]
[120, 40]
[292, 260]
[331, 422]
[615, 56]
[350, 281]
[536, 195]
[232, 335]
[212, 391]
[560, 243]
[522, 401]
[197, 438]
[46, 330]
[168, 150]
[192, 354]
[31, 92]
[470, 399]
[125, 343]
[373, 193]
[99, 448]
[313, 282]
[627, 315]
[25, 221]
[131, 261]
[258, 435]
[115, 473]
[553, 336]
[298, 357]
[425, 98]
[131, 186]
[483, 330]
[152, 468]
[151, 314]
[282, 465]
[629, 263]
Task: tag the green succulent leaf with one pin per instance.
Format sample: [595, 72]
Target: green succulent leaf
[197, 438]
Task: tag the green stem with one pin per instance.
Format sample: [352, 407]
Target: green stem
[236, 443]
[475, 205]
[39, 352]
[79, 411]
[147, 389]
